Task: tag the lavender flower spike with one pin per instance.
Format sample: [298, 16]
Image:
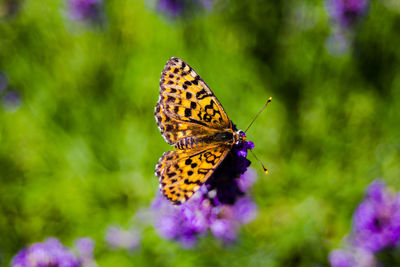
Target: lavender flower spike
[171, 7]
[85, 248]
[11, 101]
[181, 223]
[118, 238]
[352, 258]
[46, 254]
[175, 8]
[347, 12]
[203, 213]
[86, 10]
[376, 222]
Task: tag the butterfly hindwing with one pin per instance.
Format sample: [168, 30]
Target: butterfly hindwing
[187, 106]
[182, 172]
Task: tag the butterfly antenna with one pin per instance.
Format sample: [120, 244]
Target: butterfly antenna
[269, 101]
[259, 161]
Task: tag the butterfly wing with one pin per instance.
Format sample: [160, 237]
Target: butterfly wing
[187, 106]
[182, 172]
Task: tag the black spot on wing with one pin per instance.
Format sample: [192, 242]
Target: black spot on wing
[188, 112]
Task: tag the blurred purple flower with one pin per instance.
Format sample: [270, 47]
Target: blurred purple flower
[338, 43]
[376, 222]
[175, 8]
[247, 180]
[347, 12]
[50, 253]
[182, 223]
[11, 101]
[85, 248]
[203, 212]
[225, 220]
[224, 229]
[171, 7]
[352, 258]
[375, 230]
[245, 210]
[341, 258]
[208, 4]
[9, 8]
[86, 10]
[118, 238]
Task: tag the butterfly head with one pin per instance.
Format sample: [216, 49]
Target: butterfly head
[240, 137]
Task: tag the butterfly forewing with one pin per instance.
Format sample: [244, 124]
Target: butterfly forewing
[187, 106]
[173, 129]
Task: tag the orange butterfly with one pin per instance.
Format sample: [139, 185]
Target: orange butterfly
[191, 119]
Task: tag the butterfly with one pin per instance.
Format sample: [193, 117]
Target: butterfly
[191, 119]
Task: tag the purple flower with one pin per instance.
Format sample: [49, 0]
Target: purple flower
[376, 222]
[347, 12]
[86, 10]
[224, 229]
[338, 43]
[171, 7]
[352, 258]
[47, 254]
[175, 8]
[225, 220]
[9, 8]
[11, 101]
[224, 179]
[341, 258]
[245, 210]
[118, 238]
[375, 231]
[85, 248]
[246, 180]
[182, 223]
[202, 213]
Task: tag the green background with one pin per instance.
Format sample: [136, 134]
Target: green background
[79, 152]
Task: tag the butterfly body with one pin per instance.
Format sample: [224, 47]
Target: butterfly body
[192, 120]
[226, 138]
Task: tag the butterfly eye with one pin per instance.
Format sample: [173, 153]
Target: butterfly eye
[241, 135]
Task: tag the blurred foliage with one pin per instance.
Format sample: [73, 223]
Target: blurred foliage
[78, 154]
